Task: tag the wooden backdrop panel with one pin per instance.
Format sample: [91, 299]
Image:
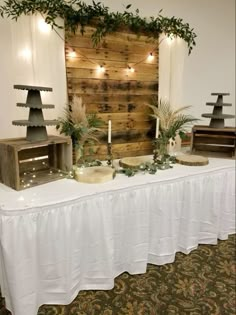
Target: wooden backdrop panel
[117, 94]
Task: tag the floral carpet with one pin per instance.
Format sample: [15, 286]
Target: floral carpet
[201, 283]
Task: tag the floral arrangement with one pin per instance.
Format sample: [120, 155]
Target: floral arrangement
[82, 128]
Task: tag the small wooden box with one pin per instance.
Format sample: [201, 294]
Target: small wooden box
[24, 164]
[218, 142]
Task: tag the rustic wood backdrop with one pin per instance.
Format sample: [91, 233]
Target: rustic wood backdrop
[116, 94]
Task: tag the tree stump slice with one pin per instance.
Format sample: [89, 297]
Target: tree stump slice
[134, 162]
[192, 160]
[94, 174]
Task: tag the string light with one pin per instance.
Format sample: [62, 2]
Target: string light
[45, 27]
[72, 54]
[101, 69]
[130, 69]
[29, 179]
[150, 57]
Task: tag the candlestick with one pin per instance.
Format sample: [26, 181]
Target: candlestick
[157, 127]
[109, 155]
[109, 131]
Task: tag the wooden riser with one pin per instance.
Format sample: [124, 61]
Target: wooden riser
[25, 164]
[210, 141]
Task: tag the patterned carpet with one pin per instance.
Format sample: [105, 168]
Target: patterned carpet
[201, 283]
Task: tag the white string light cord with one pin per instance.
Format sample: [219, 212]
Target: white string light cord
[100, 67]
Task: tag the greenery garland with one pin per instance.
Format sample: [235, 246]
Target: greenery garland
[77, 14]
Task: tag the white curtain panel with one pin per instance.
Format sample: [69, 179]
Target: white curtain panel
[172, 55]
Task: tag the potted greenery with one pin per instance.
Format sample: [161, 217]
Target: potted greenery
[82, 128]
[171, 123]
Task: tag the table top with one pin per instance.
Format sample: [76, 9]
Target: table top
[64, 190]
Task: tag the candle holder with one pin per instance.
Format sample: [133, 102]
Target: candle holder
[160, 151]
[109, 155]
[156, 146]
[161, 158]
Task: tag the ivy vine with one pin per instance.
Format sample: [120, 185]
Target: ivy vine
[77, 14]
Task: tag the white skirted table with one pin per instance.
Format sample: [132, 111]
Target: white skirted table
[62, 237]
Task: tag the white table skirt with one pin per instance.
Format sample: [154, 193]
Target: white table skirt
[63, 237]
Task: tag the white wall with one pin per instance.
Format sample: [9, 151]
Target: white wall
[210, 67]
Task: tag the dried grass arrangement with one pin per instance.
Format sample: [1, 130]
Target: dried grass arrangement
[82, 128]
[171, 122]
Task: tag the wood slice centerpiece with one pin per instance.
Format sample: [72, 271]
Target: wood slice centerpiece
[134, 162]
[192, 160]
[94, 174]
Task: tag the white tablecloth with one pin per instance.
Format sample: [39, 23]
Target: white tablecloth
[62, 237]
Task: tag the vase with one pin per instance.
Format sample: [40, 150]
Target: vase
[162, 145]
[78, 154]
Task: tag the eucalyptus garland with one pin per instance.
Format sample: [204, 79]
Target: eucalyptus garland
[77, 14]
[163, 163]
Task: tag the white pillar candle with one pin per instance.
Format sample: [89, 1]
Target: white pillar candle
[157, 127]
[109, 131]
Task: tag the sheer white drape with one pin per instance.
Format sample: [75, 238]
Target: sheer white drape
[31, 54]
[172, 54]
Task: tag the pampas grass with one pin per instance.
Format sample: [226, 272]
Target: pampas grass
[172, 122]
[82, 128]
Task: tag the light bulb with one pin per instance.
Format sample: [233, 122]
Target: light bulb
[72, 53]
[101, 69]
[43, 26]
[150, 57]
[131, 69]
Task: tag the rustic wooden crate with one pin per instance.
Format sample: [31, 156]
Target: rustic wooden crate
[25, 164]
[218, 142]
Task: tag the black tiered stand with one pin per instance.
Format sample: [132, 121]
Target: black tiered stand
[36, 125]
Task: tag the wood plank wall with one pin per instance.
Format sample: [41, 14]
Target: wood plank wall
[117, 94]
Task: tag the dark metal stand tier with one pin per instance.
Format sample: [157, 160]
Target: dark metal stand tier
[217, 117]
[36, 125]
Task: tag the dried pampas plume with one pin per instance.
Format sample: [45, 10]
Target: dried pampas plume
[78, 111]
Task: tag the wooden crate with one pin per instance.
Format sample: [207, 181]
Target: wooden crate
[25, 164]
[218, 142]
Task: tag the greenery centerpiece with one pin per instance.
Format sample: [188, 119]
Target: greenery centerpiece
[77, 14]
[171, 123]
[82, 128]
